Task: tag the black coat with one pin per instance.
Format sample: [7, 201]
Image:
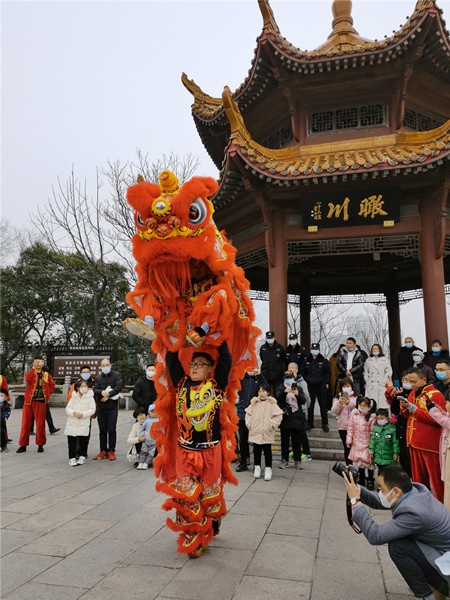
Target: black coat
[101, 382]
[431, 361]
[273, 361]
[291, 420]
[144, 392]
[249, 389]
[404, 359]
[316, 371]
[295, 354]
[357, 365]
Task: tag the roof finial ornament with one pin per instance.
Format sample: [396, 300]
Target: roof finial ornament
[343, 20]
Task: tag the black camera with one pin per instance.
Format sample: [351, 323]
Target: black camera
[293, 386]
[340, 469]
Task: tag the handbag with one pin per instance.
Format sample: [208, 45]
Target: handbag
[132, 454]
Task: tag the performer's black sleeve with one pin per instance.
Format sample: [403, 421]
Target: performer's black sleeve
[223, 367]
[174, 367]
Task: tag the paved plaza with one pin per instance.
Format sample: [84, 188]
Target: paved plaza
[97, 532]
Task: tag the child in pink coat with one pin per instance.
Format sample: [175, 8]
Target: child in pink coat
[342, 407]
[443, 418]
[359, 432]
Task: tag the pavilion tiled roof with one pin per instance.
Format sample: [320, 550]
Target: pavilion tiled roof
[389, 154]
[344, 49]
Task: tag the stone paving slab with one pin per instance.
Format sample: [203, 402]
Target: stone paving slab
[64, 540]
[284, 557]
[52, 517]
[98, 532]
[89, 564]
[336, 578]
[17, 569]
[39, 591]
[263, 588]
[128, 582]
[214, 576]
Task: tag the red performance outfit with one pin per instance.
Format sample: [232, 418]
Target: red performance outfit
[422, 437]
[39, 388]
[205, 444]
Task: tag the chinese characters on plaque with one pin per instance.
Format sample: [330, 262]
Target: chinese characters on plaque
[351, 208]
[71, 365]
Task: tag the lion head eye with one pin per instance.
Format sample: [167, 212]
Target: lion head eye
[197, 212]
[161, 207]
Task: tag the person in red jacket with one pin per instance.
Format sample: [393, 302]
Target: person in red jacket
[40, 386]
[423, 433]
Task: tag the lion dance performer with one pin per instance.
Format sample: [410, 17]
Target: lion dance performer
[191, 299]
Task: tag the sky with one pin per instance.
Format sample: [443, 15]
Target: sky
[84, 83]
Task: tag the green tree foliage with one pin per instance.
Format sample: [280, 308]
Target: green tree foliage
[59, 298]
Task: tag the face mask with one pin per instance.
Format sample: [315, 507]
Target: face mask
[407, 386]
[435, 350]
[363, 410]
[271, 341]
[375, 354]
[85, 376]
[149, 374]
[417, 359]
[347, 390]
[250, 373]
[383, 499]
[350, 349]
[106, 370]
[382, 422]
[314, 352]
[288, 382]
[409, 344]
[442, 375]
[83, 390]
[293, 342]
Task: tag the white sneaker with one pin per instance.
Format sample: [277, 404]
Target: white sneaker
[267, 474]
[81, 460]
[73, 462]
[141, 466]
[256, 472]
[144, 466]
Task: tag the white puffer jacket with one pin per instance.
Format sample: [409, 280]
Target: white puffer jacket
[85, 405]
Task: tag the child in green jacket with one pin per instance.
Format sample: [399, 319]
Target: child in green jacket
[384, 445]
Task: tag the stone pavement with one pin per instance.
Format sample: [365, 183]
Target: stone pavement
[97, 532]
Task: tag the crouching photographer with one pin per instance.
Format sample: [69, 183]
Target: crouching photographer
[417, 534]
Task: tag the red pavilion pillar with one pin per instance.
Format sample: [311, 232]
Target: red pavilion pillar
[432, 237]
[277, 259]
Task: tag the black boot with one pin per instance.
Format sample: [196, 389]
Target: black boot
[370, 480]
[242, 466]
[362, 477]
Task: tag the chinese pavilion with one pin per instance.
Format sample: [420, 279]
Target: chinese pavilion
[334, 166]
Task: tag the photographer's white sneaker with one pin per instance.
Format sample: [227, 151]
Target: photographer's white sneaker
[257, 472]
[73, 462]
[267, 474]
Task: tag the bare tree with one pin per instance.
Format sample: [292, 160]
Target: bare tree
[72, 223]
[377, 331]
[328, 322]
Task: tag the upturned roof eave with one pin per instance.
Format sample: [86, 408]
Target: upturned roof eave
[210, 111]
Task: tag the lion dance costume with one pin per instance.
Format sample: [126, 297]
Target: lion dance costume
[190, 297]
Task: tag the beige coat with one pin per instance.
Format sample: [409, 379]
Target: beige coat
[263, 419]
